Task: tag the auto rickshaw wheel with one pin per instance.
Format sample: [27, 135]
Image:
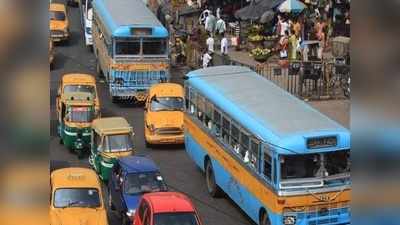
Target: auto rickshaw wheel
[61, 141]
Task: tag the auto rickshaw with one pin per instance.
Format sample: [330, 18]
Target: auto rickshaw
[75, 115]
[79, 82]
[112, 138]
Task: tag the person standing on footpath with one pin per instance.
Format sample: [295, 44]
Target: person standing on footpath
[224, 49]
[206, 58]
[210, 23]
[210, 46]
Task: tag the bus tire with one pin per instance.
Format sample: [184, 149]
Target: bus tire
[264, 219]
[114, 99]
[212, 186]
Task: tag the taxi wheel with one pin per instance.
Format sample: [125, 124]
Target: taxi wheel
[212, 186]
[148, 145]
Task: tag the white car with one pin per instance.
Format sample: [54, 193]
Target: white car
[88, 28]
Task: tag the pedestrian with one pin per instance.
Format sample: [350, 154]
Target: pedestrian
[284, 27]
[224, 49]
[296, 28]
[292, 46]
[220, 27]
[206, 59]
[279, 25]
[210, 22]
[283, 53]
[210, 43]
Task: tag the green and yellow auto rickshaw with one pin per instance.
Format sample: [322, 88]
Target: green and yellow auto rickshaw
[75, 115]
[112, 138]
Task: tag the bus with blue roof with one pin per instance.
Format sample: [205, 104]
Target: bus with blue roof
[132, 176]
[131, 48]
[280, 160]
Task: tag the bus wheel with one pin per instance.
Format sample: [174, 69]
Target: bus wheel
[114, 99]
[212, 186]
[264, 220]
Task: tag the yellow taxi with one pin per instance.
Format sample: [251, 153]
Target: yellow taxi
[76, 198]
[79, 82]
[59, 25]
[163, 114]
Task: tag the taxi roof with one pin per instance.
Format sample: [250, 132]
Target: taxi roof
[78, 78]
[74, 177]
[135, 164]
[111, 125]
[162, 202]
[166, 90]
[77, 98]
[57, 7]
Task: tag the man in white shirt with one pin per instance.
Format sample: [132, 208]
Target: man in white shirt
[210, 43]
[284, 27]
[224, 45]
[206, 59]
[224, 49]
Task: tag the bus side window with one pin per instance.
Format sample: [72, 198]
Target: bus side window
[187, 97]
[244, 143]
[267, 165]
[217, 122]
[254, 149]
[192, 98]
[235, 141]
[225, 129]
[208, 114]
[200, 107]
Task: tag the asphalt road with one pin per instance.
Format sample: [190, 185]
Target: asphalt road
[178, 170]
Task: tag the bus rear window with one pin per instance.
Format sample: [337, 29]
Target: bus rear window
[154, 46]
[127, 48]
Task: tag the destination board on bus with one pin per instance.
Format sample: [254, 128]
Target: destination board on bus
[135, 31]
[321, 142]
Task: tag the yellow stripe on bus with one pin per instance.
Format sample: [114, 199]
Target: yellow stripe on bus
[266, 196]
[140, 67]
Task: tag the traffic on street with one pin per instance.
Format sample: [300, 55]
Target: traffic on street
[147, 130]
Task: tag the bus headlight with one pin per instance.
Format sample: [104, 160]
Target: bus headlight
[289, 220]
[131, 212]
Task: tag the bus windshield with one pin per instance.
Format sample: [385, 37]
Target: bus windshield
[166, 104]
[177, 218]
[57, 15]
[154, 46]
[315, 165]
[76, 197]
[119, 142]
[131, 47]
[80, 88]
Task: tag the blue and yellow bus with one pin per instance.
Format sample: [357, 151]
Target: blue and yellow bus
[276, 157]
[131, 47]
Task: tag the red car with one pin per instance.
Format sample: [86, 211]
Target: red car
[166, 208]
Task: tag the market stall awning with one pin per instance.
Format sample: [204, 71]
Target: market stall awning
[291, 6]
[256, 9]
[267, 17]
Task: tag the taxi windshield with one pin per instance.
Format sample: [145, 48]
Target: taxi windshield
[137, 183]
[57, 15]
[181, 218]
[119, 143]
[166, 104]
[76, 197]
[80, 88]
[80, 115]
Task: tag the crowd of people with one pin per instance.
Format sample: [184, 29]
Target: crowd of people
[321, 20]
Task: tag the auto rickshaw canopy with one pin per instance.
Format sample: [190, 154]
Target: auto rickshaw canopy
[111, 125]
[78, 78]
[74, 177]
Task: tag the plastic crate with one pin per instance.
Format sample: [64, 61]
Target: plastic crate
[340, 46]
